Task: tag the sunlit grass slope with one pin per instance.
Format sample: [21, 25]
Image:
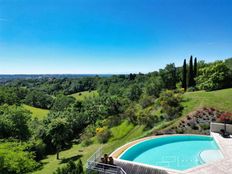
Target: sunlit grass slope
[37, 112]
[220, 99]
[85, 94]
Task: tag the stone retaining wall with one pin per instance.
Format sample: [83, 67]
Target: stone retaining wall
[216, 127]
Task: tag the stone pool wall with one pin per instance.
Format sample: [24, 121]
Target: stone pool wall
[134, 168]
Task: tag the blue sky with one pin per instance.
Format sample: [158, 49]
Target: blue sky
[110, 36]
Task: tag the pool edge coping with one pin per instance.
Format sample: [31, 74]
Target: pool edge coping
[135, 142]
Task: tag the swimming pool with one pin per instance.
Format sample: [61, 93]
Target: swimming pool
[174, 152]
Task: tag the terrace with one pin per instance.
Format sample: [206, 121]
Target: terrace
[222, 166]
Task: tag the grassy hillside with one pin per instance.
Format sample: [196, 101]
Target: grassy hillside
[127, 132]
[220, 99]
[82, 95]
[78, 151]
[37, 112]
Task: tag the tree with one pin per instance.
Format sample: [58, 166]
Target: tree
[14, 122]
[62, 102]
[184, 74]
[214, 76]
[195, 67]
[93, 109]
[135, 93]
[11, 95]
[154, 86]
[131, 76]
[59, 131]
[170, 104]
[15, 159]
[168, 75]
[113, 104]
[195, 71]
[228, 63]
[39, 99]
[191, 73]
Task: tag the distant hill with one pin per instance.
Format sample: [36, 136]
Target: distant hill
[7, 77]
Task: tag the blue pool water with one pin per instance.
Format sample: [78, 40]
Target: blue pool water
[174, 152]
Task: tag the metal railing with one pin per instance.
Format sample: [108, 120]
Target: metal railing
[93, 164]
[97, 155]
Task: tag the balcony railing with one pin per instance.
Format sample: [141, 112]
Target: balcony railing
[93, 164]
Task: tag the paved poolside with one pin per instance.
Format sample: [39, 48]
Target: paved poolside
[223, 166]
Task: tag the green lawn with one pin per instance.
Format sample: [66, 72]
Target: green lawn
[220, 99]
[37, 112]
[77, 151]
[83, 95]
[121, 130]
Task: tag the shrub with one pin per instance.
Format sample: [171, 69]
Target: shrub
[205, 126]
[38, 148]
[103, 134]
[147, 119]
[226, 117]
[191, 89]
[86, 142]
[146, 101]
[131, 114]
[89, 132]
[194, 126]
[71, 168]
[179, 131]
[114, 120]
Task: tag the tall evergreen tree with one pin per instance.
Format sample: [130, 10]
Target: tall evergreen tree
[195, 70]
[184, 76]
[191, 73]
[174, 77]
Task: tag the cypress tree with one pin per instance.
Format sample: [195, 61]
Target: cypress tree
[184, 76]
[174, 77]
[191, 73]
[195, 70]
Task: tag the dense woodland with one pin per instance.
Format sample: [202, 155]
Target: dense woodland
[142, 99]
